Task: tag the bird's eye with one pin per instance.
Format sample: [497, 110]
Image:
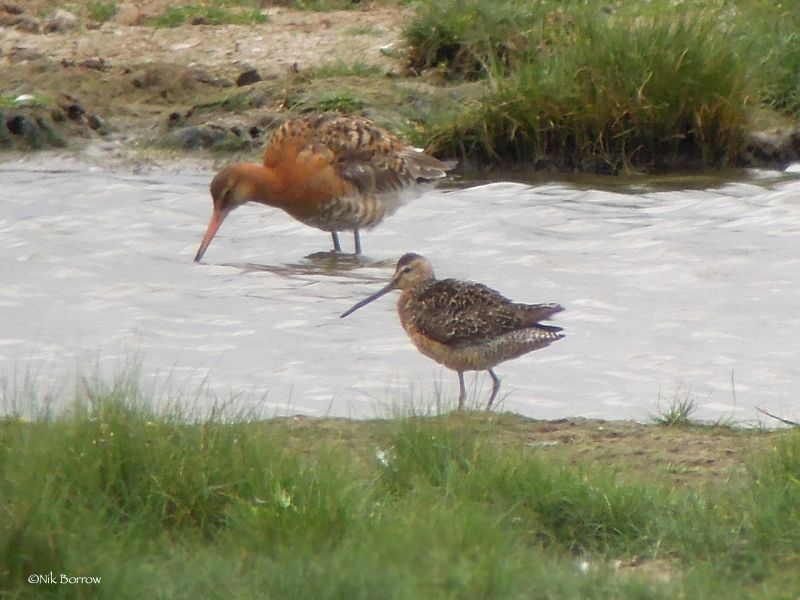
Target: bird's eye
[407, 270]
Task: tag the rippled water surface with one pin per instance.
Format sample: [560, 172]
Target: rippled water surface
[671, 288]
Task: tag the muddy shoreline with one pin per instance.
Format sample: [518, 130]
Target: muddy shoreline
[127, 91]
[69, 83]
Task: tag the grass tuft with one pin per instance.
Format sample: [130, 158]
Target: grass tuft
[569, 85]
[160, 504]
[666, 91]
[469, 39]
[678, 412]
[102, 11]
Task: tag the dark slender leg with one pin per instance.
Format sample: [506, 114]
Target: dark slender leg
[337, 247]
[357, 239]
[495, 389]
[463, 396]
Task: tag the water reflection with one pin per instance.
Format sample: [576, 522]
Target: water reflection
[672, 286]
[319, 264]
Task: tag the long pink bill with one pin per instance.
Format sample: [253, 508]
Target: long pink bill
[389, 287]
[216, 220]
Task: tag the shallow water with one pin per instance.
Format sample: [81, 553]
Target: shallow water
[672, 287]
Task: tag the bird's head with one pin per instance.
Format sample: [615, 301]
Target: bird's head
[411, 270]
[231, 187]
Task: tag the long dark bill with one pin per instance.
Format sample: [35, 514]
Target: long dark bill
[389, 287]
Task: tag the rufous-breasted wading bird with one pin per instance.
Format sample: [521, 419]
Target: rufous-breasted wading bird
[331, 171]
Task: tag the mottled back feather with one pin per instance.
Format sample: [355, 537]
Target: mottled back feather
[370, 158]
[452, 312]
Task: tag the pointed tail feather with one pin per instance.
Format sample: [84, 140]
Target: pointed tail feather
[424, 167]
[541, 312]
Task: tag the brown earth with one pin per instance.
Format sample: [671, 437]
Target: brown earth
[289, 39]
[688, 455]
[127, 88]
[122, 81]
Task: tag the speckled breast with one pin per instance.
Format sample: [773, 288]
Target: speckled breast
[482, 355]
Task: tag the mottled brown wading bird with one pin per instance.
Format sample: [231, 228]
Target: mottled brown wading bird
[462, 325]
[330, 171]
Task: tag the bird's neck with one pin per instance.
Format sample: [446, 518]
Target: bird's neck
[264, 184]
[279, 188]
[410, 295]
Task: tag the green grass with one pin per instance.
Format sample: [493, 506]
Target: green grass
[467, 38]
[101, 11]
[678, 411]
[23, 100]
[338, 100]
[610, 88]
[320, 5]
[343, 69]
[161, 504]
[218, 12]
[363, 30]
[329, 5]
[770, 37]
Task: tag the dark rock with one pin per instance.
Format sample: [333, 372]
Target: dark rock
[210, 136]
[95, 123]
[75, 112]
[775, 148]
[30, 128]
[17, 124]
[196, 137]
[26, 131]
[248, 77]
